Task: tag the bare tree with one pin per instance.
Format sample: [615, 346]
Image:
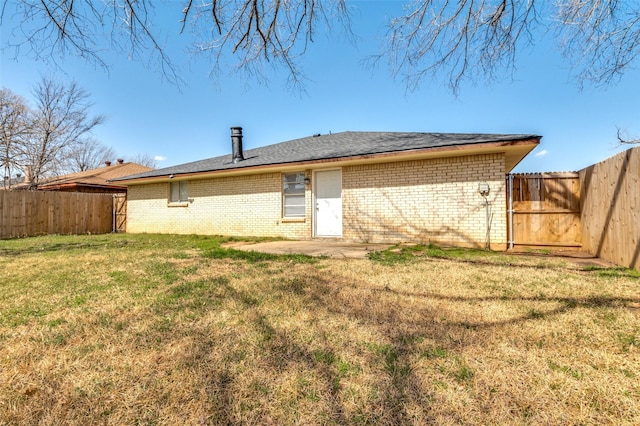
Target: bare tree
[14, 125]
[464, 39]
[144, 160]
[61, 121]
[88, 154]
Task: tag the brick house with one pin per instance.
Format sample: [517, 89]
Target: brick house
[355, 186]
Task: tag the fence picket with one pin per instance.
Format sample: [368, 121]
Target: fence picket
[30, 213]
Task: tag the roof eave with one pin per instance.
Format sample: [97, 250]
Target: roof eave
[67, 186]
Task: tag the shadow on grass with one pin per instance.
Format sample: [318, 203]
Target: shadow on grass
[392, 314]
[236, 389]
[209, 246]
[282, 355]
[405, 324]
[63, 243]
[57, 247]
[398, 255]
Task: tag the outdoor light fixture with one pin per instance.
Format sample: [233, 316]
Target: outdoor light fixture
[483, 188]
[171, 176]
[307, 180]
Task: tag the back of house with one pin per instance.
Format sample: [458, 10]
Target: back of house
[355, 186]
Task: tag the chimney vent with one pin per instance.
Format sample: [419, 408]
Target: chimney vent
[120, 161]
[107, 163]
[236, 144]
[28, 171]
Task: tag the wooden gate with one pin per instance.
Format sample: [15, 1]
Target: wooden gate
[119, 212]
[544, 209]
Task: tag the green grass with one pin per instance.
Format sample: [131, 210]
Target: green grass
[254, 256]
[403, 254]
[613, 272]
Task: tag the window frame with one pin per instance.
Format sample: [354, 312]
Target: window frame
[183, 190]
[299, 180]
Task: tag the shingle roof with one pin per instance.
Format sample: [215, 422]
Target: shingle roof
[333, 146]
[96, 177]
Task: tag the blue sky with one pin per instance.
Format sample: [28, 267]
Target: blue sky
[148, 115]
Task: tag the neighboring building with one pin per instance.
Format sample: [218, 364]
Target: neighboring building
[356, 186]
[94, 180]
[10, 182]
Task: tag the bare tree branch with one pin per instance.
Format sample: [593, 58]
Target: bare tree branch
[144, 160]
[601, 38]
[88, 154]
[466, 39]
[463, 40]
[61, 120]
[51, 29]
[625, 139]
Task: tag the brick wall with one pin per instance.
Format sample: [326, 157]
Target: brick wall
[424, 201]
[234, 206]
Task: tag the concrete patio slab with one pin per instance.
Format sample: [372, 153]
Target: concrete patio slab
[336, 250]
[345, 250]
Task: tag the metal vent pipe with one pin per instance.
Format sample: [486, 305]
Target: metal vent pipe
[236, 144]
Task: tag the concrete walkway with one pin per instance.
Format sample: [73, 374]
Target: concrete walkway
[336, 250]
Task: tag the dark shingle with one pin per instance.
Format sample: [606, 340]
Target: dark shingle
[333, 146]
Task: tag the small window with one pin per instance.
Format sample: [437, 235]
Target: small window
[179, 192]
[293, 201]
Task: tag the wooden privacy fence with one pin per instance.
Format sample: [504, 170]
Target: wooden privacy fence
[596, 209]
[611, 208]
[29, 213]
[544, 209]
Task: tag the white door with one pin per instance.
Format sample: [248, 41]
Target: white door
[328, 191]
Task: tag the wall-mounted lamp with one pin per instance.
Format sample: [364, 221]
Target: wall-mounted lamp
[307, 180]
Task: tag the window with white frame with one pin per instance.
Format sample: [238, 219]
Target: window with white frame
[179, 192]
[293, 202]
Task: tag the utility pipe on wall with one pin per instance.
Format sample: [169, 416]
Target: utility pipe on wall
[487, 244]
[483, 189]
[510, 211]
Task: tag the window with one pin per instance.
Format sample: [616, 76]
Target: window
[179, 192]
[293, 195]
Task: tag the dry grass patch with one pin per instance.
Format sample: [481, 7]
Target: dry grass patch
[148, 329]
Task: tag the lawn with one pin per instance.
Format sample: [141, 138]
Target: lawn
[148, 329]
